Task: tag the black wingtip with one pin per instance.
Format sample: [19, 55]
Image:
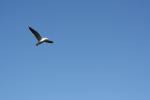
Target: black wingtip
[52, 41]
[29, 26]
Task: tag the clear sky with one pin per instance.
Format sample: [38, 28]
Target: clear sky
[101, 50]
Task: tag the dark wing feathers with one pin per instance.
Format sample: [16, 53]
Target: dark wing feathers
[49, 41]
[35, 33]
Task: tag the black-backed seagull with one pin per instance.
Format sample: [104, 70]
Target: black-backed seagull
[39, 38]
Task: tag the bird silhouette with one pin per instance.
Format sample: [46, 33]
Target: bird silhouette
[39, 38]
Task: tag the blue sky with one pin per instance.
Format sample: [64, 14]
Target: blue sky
[101, 50]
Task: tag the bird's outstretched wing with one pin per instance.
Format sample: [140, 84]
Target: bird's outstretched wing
[35, 33]
[49, 41]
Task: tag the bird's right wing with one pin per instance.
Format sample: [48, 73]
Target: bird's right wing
[35, 33]
[49, 41]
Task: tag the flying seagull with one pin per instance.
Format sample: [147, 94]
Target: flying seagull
[39, 38]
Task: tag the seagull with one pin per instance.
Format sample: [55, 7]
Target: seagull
[39, 38]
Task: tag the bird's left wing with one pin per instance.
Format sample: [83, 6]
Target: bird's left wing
[35, 33]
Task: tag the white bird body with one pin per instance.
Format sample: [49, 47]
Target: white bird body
[39, 38]
[43, 39]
